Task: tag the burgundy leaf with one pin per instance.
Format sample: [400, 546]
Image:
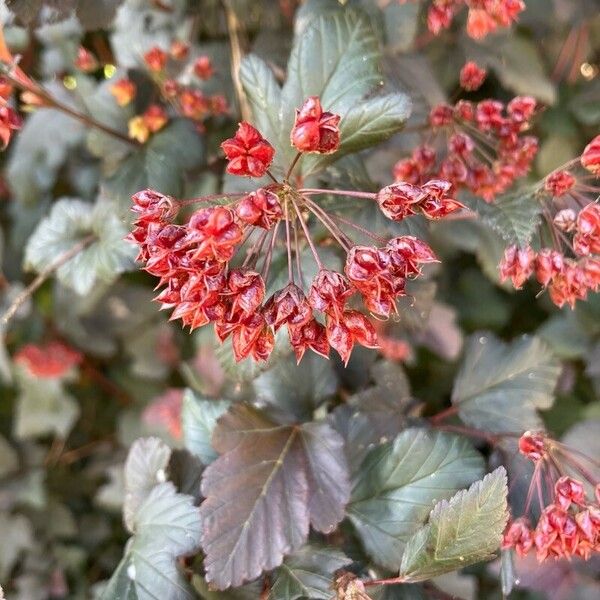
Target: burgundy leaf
[269, 484]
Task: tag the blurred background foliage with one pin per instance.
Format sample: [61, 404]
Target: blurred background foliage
[63, 440]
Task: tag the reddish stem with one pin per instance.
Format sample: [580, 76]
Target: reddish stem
[289, 244]
[388, 581]
[211, 197]
[358, 228]
[337, 233]
[351, 193]
[292, 165]
[307, 234]
[444, 414]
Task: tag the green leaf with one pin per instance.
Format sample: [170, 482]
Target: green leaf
[567, 337]
[335, 56]
[145, 468]
[500, 386]
[160, 164]
[375, 415]
[69, 223]
[297, 389]
[269, 484]
[370, 122]
[43, 407]
[308, 573]
[250, 591]
[40, 150]
[17, 536]
[167, 525]
[198, 418]
[400, 482]
[515, 217]
[518, 64]
[464, 530]
[264, 95]
[586, 104]
[99, 101]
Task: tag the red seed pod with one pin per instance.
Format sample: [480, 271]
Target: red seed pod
[521, 108]
[518, 535]
[9, 121]
[329, 292]
[246, 290]
[480, 23]
[532, 445]
[85, 60]
[590, 158]
[559, 183]
[203, 68]
[488, 114]
[461, 144]
[586, 240]
[399, 200]
[124, 91]
[214, 233]
[517, 265]
[570, 285]
[439, 17]
[50, 361]
[464, 110]
[472, 76]
[315, 130]
[352, 327]
[441, 115]
[565, 219]
[260, 208]
[252, 337]
[179, 50]
[548, 263]
[156, 59]
[194, 104]
[248, 152]
[407, 253]
[424, 157]
[407, 170]
[569, 491]
[310, 336]
[287, 306]
[153, 206]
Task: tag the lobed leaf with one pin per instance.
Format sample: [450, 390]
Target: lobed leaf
[69, 223]
[374, 415]
[370, 122]
[145, 468]
[296, 389]
[198, 419]
[160, 164]
[461, 531]
[269, 485]
[335, 56]
[500, 386]
[43, 407]
[400, 482]
[515, 216]
[166, 525]
[263, 93]
[308, 573]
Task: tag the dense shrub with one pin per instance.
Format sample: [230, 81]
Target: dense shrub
[300, 299]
